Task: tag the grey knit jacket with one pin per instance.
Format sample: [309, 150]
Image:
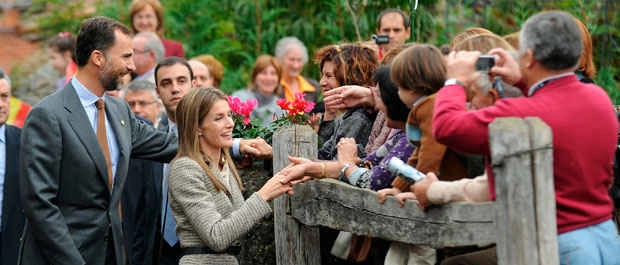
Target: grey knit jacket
[206, 217]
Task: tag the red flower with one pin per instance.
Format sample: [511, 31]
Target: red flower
[298, 106]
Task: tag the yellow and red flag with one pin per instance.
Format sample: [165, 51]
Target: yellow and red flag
[18, 112]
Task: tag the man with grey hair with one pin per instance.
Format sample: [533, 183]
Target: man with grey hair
[143, 100]
[550, 47]
[142, 193]
[293, 55]
[148, 50]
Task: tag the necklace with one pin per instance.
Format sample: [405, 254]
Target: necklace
[208, 160]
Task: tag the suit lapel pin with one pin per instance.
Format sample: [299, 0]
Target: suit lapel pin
[122, 122]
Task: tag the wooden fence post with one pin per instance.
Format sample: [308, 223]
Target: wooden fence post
[295, 243]
[521, 155]
[515, 215]
[541, 141]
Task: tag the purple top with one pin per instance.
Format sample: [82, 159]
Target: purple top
[379, 177]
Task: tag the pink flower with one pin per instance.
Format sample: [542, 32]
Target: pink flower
[242, 108]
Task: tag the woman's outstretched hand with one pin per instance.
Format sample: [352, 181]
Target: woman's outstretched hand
[382, 194]
[347, 97]
[276, 186]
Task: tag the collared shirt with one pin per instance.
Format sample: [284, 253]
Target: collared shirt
[543, 82]
[2, 165]
[88, 99]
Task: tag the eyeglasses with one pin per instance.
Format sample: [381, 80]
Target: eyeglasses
[140, 103]
[142, 51]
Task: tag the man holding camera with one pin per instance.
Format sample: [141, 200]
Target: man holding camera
[393, 30]
[550, 47]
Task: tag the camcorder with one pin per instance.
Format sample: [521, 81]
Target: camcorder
[381, 39]
[485, 62]
[407, 172]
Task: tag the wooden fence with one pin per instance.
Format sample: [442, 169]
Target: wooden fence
[523, 213]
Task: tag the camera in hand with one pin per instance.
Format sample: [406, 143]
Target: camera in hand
[381, 39]
[485, 62]
[409, 173]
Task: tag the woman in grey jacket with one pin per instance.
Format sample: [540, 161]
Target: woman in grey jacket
[265, 88]
[205, 188]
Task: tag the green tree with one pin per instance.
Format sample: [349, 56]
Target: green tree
[236, 32]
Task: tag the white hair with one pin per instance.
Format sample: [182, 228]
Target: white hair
[285, 44]
[153, 43]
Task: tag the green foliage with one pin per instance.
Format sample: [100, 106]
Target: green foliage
[236, 32]
[607, 78]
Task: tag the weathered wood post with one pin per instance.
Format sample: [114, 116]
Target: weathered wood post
[521, 156]
[295, 243]
[541, 141]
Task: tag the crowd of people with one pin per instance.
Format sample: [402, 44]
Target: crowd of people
[132, 159]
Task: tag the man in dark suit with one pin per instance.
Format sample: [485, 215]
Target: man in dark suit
[76, 146]
[11, 217]
[142, 193]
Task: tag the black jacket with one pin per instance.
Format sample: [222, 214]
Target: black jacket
[13, 219]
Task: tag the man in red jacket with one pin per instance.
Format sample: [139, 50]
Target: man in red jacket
[580, 115]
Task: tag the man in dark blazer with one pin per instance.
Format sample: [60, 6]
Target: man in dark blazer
[11, 217]
[142, 192]
[75, 156]
[141, 208]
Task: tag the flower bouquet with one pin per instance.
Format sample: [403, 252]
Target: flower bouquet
[296, 113]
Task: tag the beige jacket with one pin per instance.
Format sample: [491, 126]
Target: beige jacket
[206, 217]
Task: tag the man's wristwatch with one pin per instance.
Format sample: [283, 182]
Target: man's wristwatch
[342, 176]
[453, 81]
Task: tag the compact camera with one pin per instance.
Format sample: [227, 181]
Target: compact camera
[381, 39]
[407, 172]
[485, 62]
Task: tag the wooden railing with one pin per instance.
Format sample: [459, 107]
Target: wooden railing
[521, 221]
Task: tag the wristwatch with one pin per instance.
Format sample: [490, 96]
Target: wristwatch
[453, 81]
[342, 176]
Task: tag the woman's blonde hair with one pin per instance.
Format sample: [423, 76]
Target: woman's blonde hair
[483, 43]
[513, 39]
[190, 113]
[466, 34]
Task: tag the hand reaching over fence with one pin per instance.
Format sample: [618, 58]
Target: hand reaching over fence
[382, 194]
[276, 186]
[420, 189]
[347, 97]
[402, 198]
